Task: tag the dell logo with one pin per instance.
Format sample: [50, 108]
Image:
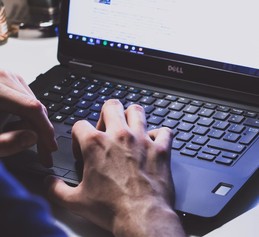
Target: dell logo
[175, 69]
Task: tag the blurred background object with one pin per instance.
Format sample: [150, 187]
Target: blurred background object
[29, 19]
[3, 24]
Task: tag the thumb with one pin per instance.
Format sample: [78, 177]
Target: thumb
[16, 141]
[59, 191]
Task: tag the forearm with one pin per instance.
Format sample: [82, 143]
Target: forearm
[156, 220]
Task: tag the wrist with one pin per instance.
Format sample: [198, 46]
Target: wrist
[143, 218]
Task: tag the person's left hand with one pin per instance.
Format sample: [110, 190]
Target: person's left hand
[16, 98]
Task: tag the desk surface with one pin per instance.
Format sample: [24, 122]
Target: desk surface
[29, 58]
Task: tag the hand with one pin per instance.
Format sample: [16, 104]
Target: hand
[126, 186]
[16, 98]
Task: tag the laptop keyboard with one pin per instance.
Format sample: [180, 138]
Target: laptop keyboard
[210, 132]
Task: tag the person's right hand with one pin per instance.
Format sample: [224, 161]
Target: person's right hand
[16, 98]
[127, 185]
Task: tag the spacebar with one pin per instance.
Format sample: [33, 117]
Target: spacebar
[226, 146]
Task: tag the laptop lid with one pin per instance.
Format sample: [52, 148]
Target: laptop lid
[198, 46]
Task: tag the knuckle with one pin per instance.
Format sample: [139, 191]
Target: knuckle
[124, 135]
[162, 150]
[35, 105]
[167, 130]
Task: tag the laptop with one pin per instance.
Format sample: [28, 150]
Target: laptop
[194, 68]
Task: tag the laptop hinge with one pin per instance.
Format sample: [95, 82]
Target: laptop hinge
[87, 68]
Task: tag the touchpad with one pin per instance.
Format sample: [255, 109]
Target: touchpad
[63, 157]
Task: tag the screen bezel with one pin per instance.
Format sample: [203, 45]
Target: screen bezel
[70, 50]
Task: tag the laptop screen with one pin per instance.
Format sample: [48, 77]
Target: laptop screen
[221, 34]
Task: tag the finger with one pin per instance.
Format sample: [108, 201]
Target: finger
[31, 109]
[135, 115]
[16, 141]
[59, 191]
[17, 125]
[25, 86]
[80, 131]
[113, 116]
[162, 136]
[15, 82]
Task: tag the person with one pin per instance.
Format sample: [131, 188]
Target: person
[126, 186]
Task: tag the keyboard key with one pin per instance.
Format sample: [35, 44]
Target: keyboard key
[184, 136]
[60, 90]
[214, 133]
[231, 137]
[222, 125]
[184, 100]
[223, 108]
[252, 122]
[205, 121]
[162, 103]
[161, 112]
[226, 146]
[94, 116]
[119, 94]
[197, 103]
[70, 101]
[236, 118]
[206, 112]
[250, 114]
[171, 97]
[200, 140]
[175, 115]
[211, 151]
[92, 88]
[190, 118]
[105, 91]
[191, 109]
[170, 123]
[177, 145]
[83, 104]
[236, 111]
[155, 120]
[67, 110]
[90, 96]
[185, 127]
[96, 107]
[148, 108]
[133, 97]
[176, 106]
[236, 128]
[210, 106]
[204, 156]
[147, 100]
[54, 107]
[71, 120]
[187, 152]
[200, 130]
[76, 93]
[158, 95]
[193, 147]
[249, 135]
[58, 118]
[81, 113]
[78, 85]
[230, 155]
[220, 115]
[52, 97]
[146, 92]
[224, 161]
